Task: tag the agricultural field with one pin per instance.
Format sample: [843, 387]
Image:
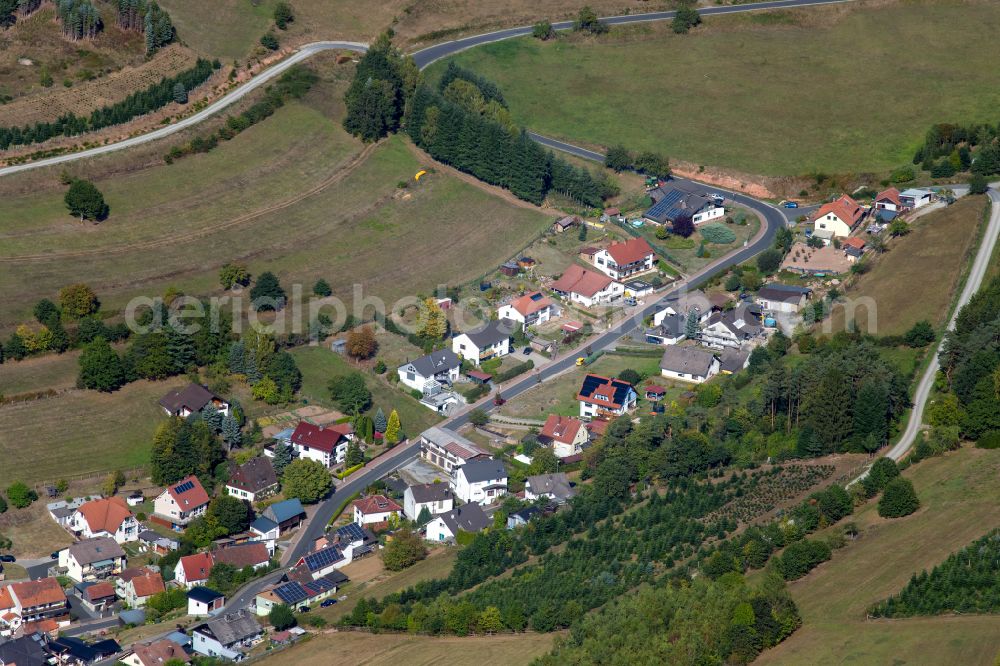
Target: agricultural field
[285, 195]
[80, 432]
[743, 91]
[934, 255]
[364, 649]
[958, 496]
[88, 95]
[52, 371]
[319, 365]
[36, 42]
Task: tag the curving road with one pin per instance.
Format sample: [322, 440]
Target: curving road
[423, 58]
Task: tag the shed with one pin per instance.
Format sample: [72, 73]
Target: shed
[510, 269]
[479, 377]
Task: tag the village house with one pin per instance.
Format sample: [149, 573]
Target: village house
[286, 514]
[564, 224]
[522, 517]
[435, 497]
[688, 364]
[253, 554]
[298, 594]
[190, 400]
[889, 200]
[429, 373]
[253, 480]
[491, 340]
[73, 650]
[32, 601]
[588, 288]
[565, 435]
[93, 559]
[156, 653]
[783, 298]
[732, 361]
[151, 541]
[466, 518]
[733, 328]
[531, 309]
[447, 449]
[672, 329]
[180, 503]
[266, 532]
[685, 303]
[324, 444]
[192, 570]
[227, 636]
[914, 198]
[323, 561]
[97, 597]
[854, 248]
[137, 589]
[482, 481]
[109, 517]
[837, 219]
[204, 601]
[555, 487]
[375, 509]
[679, 202]
[621, 260]
[603, 396]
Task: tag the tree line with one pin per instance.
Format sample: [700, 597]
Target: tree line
[137, 104]
[953, 148]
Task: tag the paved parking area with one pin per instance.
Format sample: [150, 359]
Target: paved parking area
[420, 471]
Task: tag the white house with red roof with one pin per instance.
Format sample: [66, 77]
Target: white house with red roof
[888, 199]
[837, 219]
[375, 509]
[621, 260]
[324, 444]
[108, 517]
[588, 288]
[180, 503]
[564, 434]
[447, 449]
[604, 396]
[193, 570]
[529, 310]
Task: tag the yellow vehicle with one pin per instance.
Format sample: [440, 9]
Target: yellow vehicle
[581, 360]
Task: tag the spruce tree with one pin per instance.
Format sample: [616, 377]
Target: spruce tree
[380, 421]
[282, 456]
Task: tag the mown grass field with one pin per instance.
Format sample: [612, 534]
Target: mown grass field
[293, 195]
[848, 88]
[319, 365]
[919, 275]
[364, 649]
[958, 495]
[52, 371]
[80, 432]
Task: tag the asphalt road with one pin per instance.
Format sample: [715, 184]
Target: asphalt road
[773, 218]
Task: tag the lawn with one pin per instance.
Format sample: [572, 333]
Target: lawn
[290, 195]
[33, 532]
[684, 251]
[80, 432]
[959, 495]
[364, 649]
[200, 25]
[778, 93]
[319, 365]
[52, 371]
[931, 258]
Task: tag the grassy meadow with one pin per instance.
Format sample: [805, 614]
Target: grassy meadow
[846, 88]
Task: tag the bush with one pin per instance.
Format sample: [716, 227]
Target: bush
[902, 175]
[898, 499]
[543, 30]
[882, 472]
[283, 15]
[281, 617]
[20, 495]
[801, 557]
[405, 550]
[989, 440]
[686, 18]
[718, 234]
[921, 335]
[978, 184]
[269, 42]
[769, 260]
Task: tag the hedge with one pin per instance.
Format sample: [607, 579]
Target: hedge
[343, 505]
[717, 234]
[350, 470]
[518, 369]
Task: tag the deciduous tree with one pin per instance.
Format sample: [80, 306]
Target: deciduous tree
[307, 480]
[84, 200]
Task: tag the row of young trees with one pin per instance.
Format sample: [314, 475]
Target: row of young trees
[138, 103]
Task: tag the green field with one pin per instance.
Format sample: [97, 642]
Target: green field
[849, 88]
[958, 495]
[80, 432]
[319, 365]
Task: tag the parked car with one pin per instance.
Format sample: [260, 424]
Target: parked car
[581, 360]
[305, 609]
[791, 204]
[54, 555]
[328, 602]
[8, 558]
[526, 351]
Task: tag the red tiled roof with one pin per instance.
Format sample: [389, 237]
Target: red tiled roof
[147, 585]
[891, 195]
[159, 652]
[589, 251]
[105, 515]
[531, 303]
[244, 555]
[316, 437]
[196, 567]
[6, 601]
[45, 626]
[845, 208]
[579, 280]
[597, 427]
[609, 386]
[572, 326]
[462, 451]
[854, 241]
[376, 504]
[561, 428]
[654, 388]
[629, 252]
[98, 591]
[191, 497]
[38, 592]
[476, 374]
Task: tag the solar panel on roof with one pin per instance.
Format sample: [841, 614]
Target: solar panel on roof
[323, 558]
[291, 593]
[184, 487]
[351, 532]
[536, 297]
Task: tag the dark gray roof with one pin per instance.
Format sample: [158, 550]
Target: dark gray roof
[672, 326]
[782, 292]
[491, 333]
[263, 525]
[25, 651]
[556, 485]
[687, 360]
[435, 362]
[193, 396]
[733, 360]
[231, 627]
[97, 549]
[254, 475]
[468, 518]
[676, 201]
[743, 321]
[204, 594]
[430, 492]
[483, 470]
